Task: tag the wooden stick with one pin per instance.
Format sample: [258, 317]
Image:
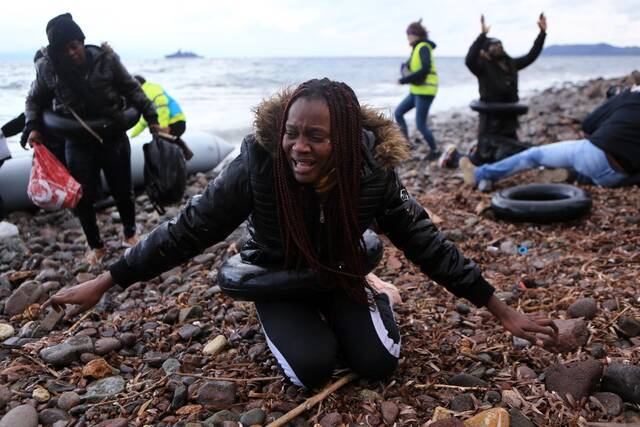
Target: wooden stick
[617, 316]
[613, 425]
[37, 362]
[239, 380]
[312, 401]
[456, 387]
[77, 324]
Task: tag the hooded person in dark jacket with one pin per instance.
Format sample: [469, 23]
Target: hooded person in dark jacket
[609, 155]
[497, 74]
[316, 173]
[89, 82]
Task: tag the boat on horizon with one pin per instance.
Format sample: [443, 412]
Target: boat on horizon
[180, 54]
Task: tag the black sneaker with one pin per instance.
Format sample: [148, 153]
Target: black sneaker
[433, 155]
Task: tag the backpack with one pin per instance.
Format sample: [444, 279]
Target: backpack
[165, 172]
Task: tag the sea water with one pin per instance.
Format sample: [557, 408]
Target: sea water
[217, 95]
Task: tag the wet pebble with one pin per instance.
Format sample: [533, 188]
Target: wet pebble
[576, 378]
[170, 366]
[221, 416]
[26, 294]
[52, 415]
[253, 417]
[68, 400]
[41, 394]
[572, 334]
[622, 380]
[525, 373]
[215, 346]
[217, 394]
[584, 307]
[389, 411]
[63, 354]
[107, 345]
[20, 416]
[628, 326]
[6, 331]
[192, 312]
[105, 388]
[188, 332]
[612, 403]
[331, 419]
[466, 380]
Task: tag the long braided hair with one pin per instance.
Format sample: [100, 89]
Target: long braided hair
[342, 247]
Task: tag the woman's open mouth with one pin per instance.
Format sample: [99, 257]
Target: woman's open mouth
[303, 165]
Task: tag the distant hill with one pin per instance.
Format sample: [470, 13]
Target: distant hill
[590, 49]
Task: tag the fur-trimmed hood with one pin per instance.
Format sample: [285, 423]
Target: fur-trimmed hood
[390, 147]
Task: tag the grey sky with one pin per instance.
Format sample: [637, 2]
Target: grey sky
[306, 28]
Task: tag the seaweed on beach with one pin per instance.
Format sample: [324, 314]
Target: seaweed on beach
[155, 339]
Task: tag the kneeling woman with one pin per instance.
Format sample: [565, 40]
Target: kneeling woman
[325, 165]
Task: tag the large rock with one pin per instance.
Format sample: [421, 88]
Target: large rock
[572, 334]
[623, 380]
[26, 294]
[584, 307]
[105, 388]
[20, 416]
[217, 394]
[628, 327]
[63, 354]
[577, 378]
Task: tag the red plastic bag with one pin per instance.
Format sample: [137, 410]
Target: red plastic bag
[51, 186]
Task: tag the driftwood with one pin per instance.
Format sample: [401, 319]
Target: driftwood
[312, 401]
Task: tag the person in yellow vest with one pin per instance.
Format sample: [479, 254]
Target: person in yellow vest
[419, 72]
[170, 115]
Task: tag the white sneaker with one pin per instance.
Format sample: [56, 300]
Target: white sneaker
[468, 171]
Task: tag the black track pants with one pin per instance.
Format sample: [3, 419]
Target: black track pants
[85, 159]
[308, 336]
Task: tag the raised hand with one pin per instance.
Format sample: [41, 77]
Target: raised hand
[542, 22]
[484, 28]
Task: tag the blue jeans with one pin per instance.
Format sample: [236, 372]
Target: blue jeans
[422, 103]
[580, 155]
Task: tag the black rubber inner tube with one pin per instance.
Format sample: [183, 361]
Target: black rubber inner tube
[251, 282]
[542, 203]
[510, 108]
[64, 126]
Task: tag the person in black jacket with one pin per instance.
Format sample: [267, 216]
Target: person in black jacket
[89, 82]
[317, 172]
[609, 156]
[497, 74]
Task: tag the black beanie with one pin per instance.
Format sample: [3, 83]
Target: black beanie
[61, 30]
[489, 41]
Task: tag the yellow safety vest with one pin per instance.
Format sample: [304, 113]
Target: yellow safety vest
[157, 96]
[430, 85]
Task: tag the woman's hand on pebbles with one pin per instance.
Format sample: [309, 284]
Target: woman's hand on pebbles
[536, 329]
[84, 296]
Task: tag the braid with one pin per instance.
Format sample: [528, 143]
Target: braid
[343, 240]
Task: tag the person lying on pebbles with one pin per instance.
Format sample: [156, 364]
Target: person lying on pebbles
[316, 173]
